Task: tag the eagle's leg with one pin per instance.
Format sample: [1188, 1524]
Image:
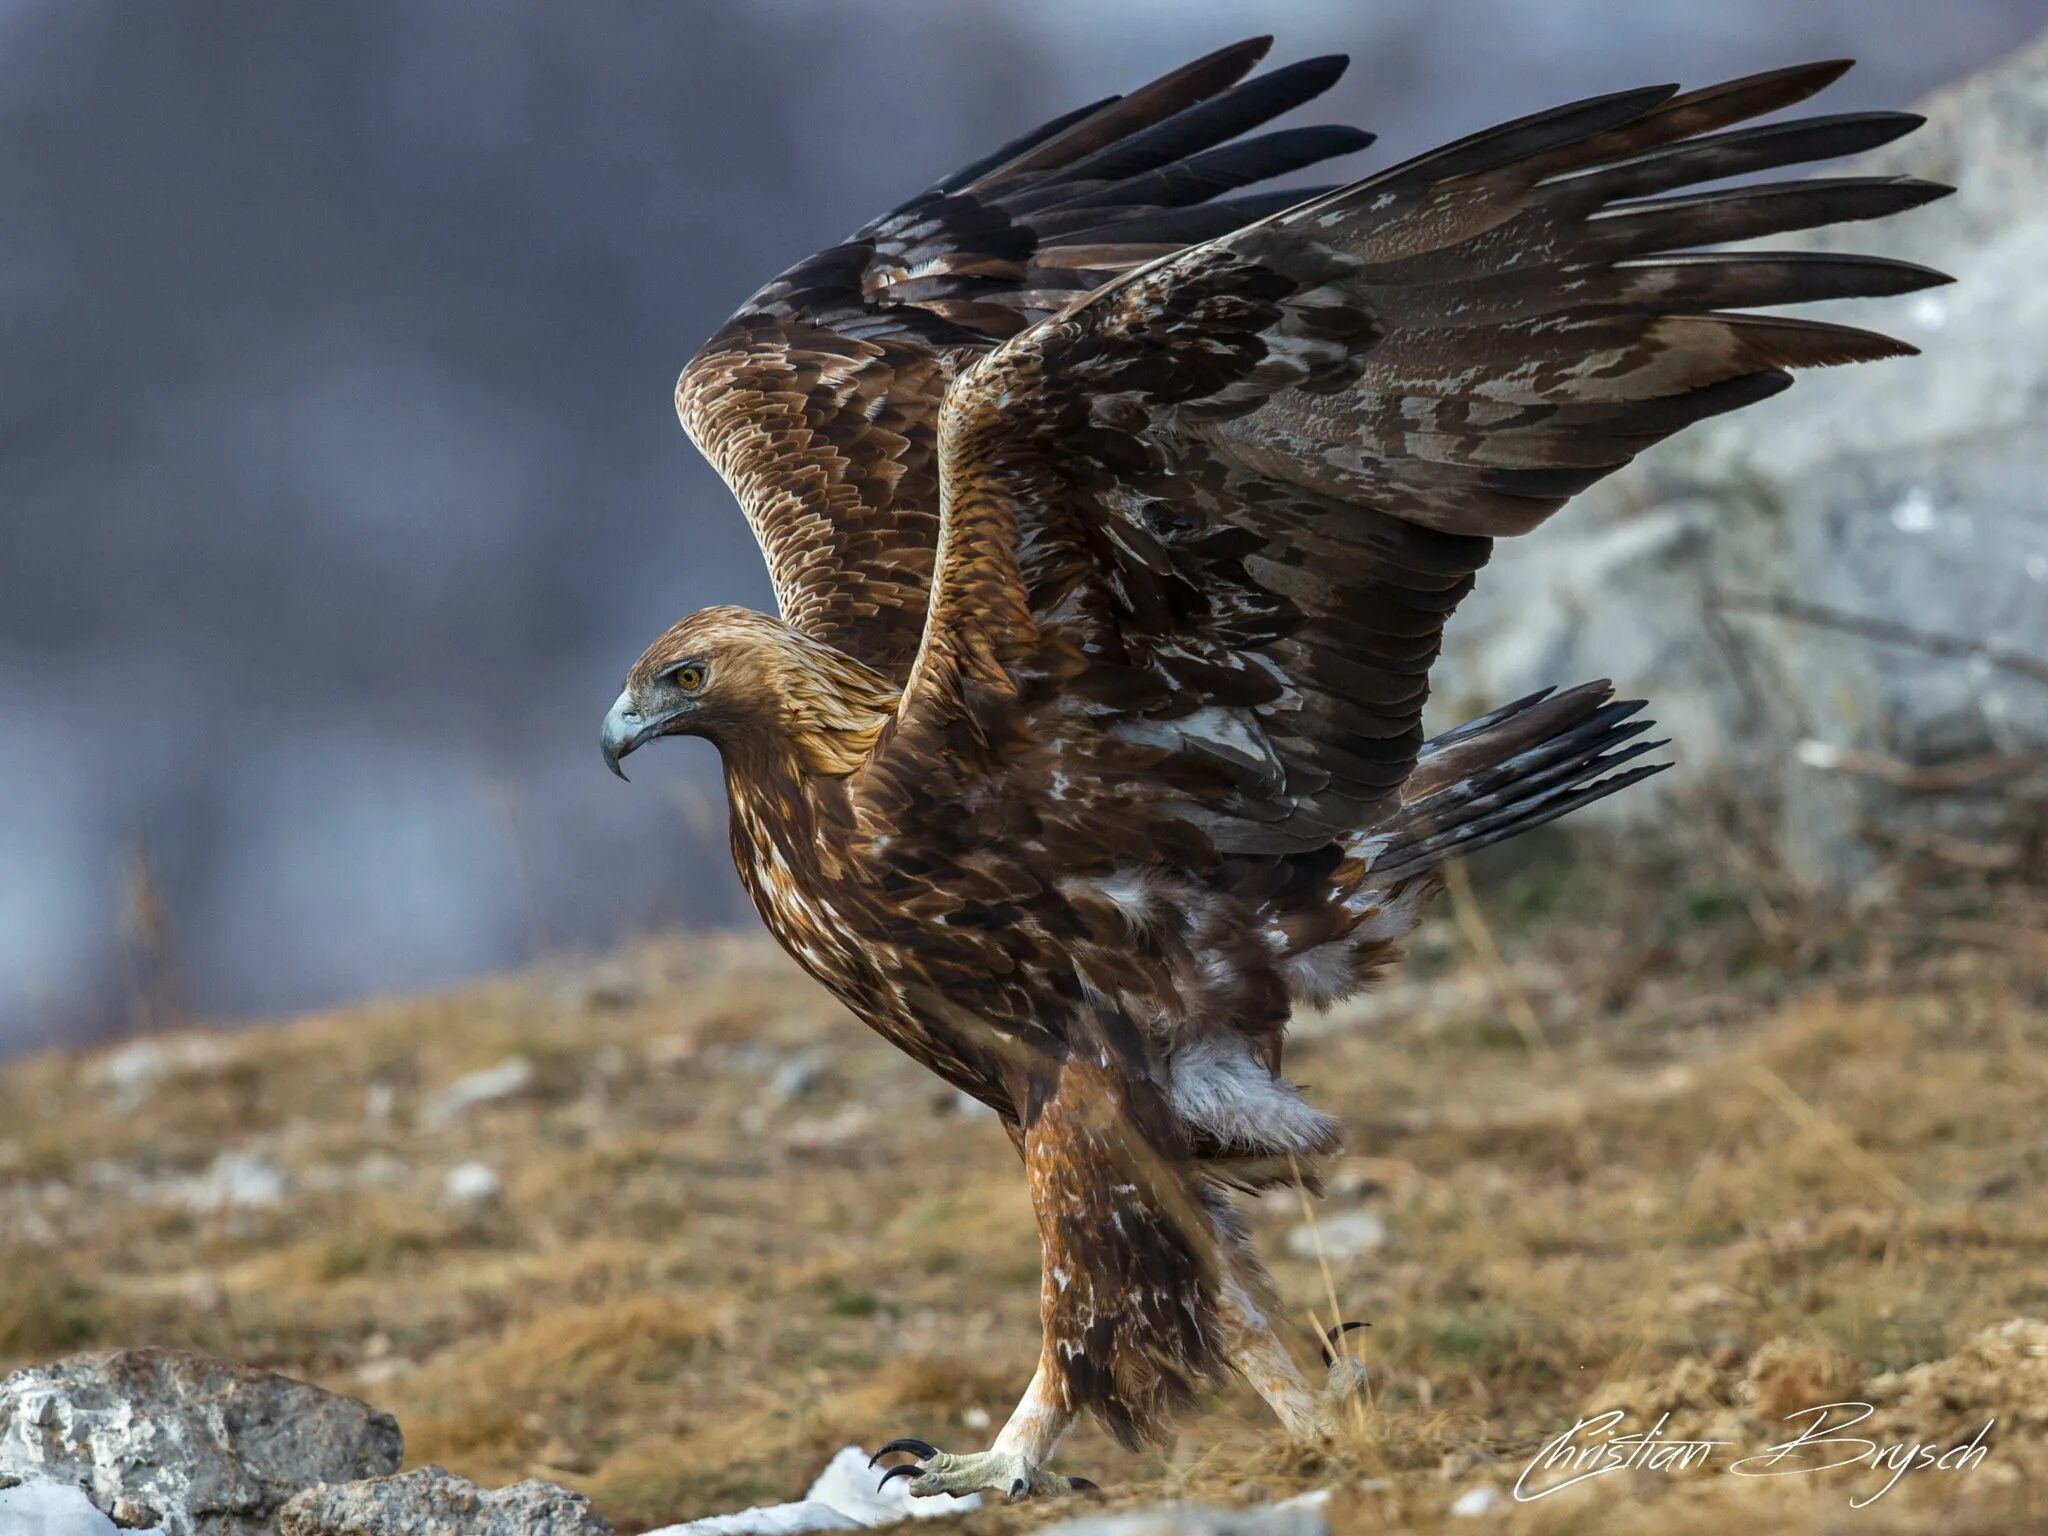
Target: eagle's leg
[1256, 1353]
[1014, 1465]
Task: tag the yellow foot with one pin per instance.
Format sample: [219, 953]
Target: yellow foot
[1006, 1472]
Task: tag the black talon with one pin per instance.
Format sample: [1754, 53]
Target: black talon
[1082, 1485]
[908, 1469]
[906, 1443]
[1017, 1488]
[1332, 1334]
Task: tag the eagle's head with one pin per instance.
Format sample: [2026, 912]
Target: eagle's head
[752, 686]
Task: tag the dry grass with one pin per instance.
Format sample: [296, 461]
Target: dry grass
[1730, 1165]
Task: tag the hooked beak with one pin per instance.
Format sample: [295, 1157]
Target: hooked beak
[624, 729]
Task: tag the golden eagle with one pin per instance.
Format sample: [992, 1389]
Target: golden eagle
[1114, 513]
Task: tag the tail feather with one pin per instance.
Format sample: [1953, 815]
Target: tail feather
[1515, 768]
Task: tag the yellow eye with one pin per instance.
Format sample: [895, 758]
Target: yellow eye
[689, 679]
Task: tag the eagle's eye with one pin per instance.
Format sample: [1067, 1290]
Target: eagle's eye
[689, 678]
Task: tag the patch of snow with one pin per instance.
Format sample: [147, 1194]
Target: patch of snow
[56, 1509]
[844, 1498]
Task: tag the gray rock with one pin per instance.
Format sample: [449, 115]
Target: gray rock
[199, 1447]
[1905, 491]
[508, 1079]
[431, 1502]
[1337, 1238]
[1294, 1517]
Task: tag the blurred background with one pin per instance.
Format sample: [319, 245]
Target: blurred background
[340, 479]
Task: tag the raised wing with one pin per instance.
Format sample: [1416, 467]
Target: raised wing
[818, 402]
[1203, 531]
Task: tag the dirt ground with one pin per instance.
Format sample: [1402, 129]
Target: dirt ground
[1663, 1146]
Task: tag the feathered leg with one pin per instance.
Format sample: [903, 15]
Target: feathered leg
[1128, 1295]
[1257, 1354]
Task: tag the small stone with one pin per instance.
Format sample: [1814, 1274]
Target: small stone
[796, 1078]
[236, 1181]
[1477, 1501]
[1293, 1517]
[430, 1502]
[1336, 1238]
[472, 1184]
[509, 1078]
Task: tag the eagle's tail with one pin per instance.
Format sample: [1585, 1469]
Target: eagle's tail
[1521, 765]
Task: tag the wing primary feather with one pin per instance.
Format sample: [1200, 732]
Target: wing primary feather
[1128, 114]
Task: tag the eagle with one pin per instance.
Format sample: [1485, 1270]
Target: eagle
[1115, 505]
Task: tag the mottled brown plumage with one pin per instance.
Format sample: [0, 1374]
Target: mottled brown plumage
[1115, 515]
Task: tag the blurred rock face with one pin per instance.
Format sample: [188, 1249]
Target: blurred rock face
[341, 483]
[1733, 576]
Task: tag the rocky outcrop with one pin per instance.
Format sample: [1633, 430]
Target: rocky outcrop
[186, 1444]
[431, 1502]
[1827, 595]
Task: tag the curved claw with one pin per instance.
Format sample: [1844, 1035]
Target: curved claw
[908, 1469]
[908, 1443]
[1082, 1485]
[1330, 1337]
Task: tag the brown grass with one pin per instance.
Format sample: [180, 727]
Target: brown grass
[1736, 1161]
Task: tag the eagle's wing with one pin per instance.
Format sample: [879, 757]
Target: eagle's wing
[1203, 530]
[818, 402]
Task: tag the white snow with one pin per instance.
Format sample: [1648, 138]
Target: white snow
[844, 1498]
[56, 1509]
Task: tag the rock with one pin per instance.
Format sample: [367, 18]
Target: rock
[132, 1070]
[509, 1078]
[197, 1446]
[55, 1509]
[472, 1184]
[1336, 1238]
[1903, 491]
[1474, 1502]
[430, 1502]
[797, 1078]
[1294, 1517]
[767, 1520]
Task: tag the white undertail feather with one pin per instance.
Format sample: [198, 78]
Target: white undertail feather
[1218, 1087]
